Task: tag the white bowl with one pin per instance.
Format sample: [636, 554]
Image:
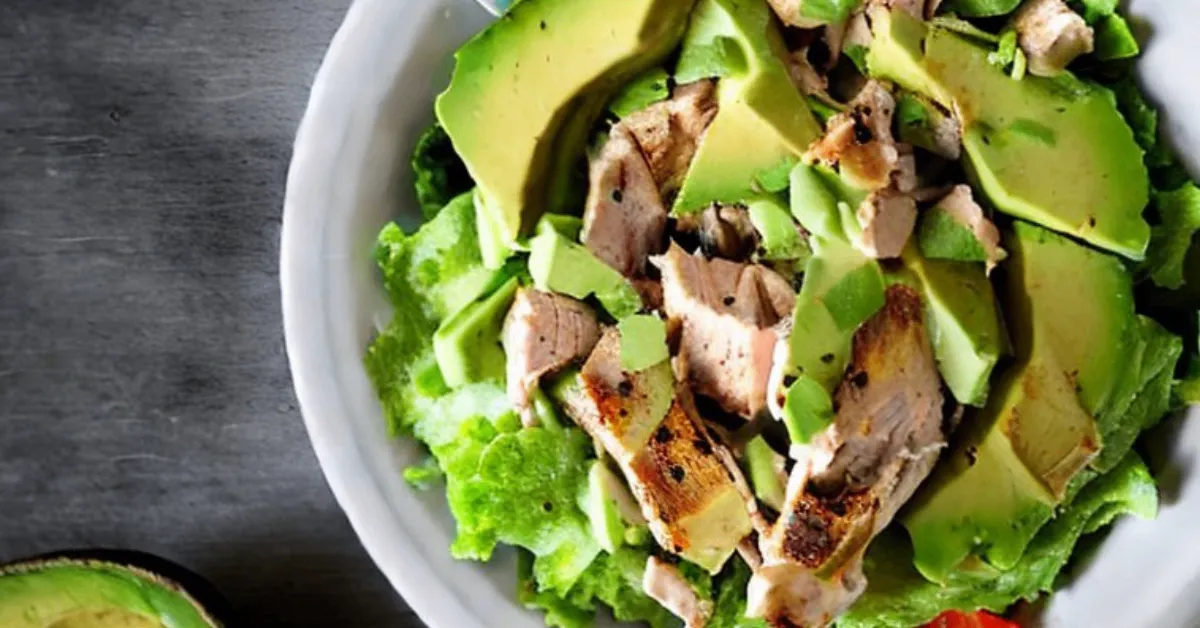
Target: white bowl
[349, 176]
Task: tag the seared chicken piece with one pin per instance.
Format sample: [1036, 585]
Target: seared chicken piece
[624, 219]
[860, 145]
[727, 311]
[858, 31]
[1051, 35]
[723, 231]
[543, 333]
[887, 218]
[859, 142]
[669, 131]
[675, 470]
[961, 206]
[904, 178]
[664, 583]
[852, 478]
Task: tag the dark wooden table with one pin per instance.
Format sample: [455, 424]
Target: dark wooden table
[145, 399]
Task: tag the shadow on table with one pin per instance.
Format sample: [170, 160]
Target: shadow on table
[281, 574]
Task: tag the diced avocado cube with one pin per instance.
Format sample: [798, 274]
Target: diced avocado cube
[467, 345]
[559, 265]
[643, 342]
[781, 240]
[808, 410]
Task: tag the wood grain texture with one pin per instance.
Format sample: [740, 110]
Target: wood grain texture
[145, 400]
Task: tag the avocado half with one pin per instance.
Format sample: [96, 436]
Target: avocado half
[107, 589]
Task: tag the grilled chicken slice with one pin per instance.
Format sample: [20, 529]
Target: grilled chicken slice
[728, 312]
[854, 476]
[669, 131]
[543, 333]
[665, 584]
[1051, 35]
[887, 218]
[961, 206]
[675, 470]
[624, 219]
[859, 142]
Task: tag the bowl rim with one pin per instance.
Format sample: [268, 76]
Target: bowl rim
[355, 488]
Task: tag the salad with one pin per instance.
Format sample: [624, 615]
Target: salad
[737, 313]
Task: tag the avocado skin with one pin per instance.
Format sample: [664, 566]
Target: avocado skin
[209, 603]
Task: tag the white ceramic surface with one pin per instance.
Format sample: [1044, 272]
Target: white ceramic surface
[349, 176]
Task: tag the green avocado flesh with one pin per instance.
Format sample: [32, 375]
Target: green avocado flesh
[78, 594]
[467, 344]
[967, 328]
[560, 265]
[599, 502]
[513, 87]
[1074, 332]
[763, 122]
[643, 342]
[1051, 151]
[842, 289]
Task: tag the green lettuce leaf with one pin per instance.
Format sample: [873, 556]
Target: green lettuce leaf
[1114, 40]
[520, 486]
[651, 87]
[979, 8]
[829, 11]
[423, 476]
[614, 580]
[439, 174]
[1093, 10]
[730, 604]
[898, 597]
[1179, 219]
[428, 275]
[1143, 119]
[1144, 396]
[710, 48]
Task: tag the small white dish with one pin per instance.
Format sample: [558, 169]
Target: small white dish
[349, 176]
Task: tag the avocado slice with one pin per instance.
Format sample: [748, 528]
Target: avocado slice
[1075, 334]
[763, 122]
[525, 93]
[467, 345]
[560, 265]
[967, 328]
[610, 509]
[105, 589]
[1052, 151]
